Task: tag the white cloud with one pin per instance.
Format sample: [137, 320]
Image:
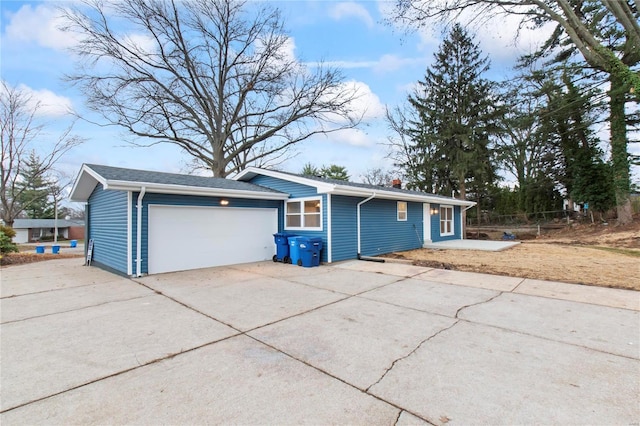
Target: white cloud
[141, 42]
[353, 137]
[503, 40]
[385, 64]
[285, 54]
[40, 25]
[367, 103]
[351, 10]
[47, 102]
[390, 63]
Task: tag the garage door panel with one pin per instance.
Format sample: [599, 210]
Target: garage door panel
[182, 238]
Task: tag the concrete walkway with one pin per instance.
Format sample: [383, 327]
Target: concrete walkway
[351, 343]
[482, 245]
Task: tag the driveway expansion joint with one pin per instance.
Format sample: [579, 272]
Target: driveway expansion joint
[548, 339]
[516, 287]
[118, 373]
[78, 309]
[51, 290]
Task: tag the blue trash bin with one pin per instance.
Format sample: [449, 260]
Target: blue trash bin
[310, 252]
[55, 249]
[39, 249]
[282, 246]
[73, 243]
[294, 249]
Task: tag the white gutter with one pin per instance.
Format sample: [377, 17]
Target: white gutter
[139, 233]
[191, 190]
[392, 195]
[358, 218]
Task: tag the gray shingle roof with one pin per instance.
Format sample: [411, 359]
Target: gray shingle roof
[367, 186]
[146, 176]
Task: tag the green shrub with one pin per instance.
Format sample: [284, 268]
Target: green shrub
[50, 238]
[6, 245]
[8, 231]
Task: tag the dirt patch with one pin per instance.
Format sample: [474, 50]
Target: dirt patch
[606, 256]
[24, 257]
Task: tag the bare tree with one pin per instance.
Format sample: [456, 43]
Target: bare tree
[213, 77]
[20, 132]
[605, 32]
[377, 176]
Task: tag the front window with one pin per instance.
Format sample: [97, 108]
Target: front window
[402, 211]
[446, 220]
[304, 213]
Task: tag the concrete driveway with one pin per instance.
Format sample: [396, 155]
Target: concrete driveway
[351, 343]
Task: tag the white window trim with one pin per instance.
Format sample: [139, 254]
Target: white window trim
[405, 211]
[302, 228]
[453, 222]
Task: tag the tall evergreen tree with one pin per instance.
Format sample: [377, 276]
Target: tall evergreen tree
[456, 111]
[333, 171]
[568, 128]
[34, 189]
[618, 40]
[522, 149]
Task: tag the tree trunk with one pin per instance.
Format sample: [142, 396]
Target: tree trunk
[619, 154]
[463, 212]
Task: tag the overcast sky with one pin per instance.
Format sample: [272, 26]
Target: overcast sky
[384, 62]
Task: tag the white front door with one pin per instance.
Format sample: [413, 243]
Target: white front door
[188, 237]
[426, 222]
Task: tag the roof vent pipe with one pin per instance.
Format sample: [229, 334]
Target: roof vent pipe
[396, 183]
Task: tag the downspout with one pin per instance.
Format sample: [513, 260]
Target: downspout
[87, 230]
[139, 232]
[463, 229]
[360, 257]
[329, 231]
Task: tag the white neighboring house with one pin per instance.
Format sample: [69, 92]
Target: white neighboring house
[32, 230]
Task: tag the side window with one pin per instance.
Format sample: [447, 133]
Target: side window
[304, 214]
[402, 210]
[446, 220]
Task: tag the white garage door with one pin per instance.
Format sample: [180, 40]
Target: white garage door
[182, 238]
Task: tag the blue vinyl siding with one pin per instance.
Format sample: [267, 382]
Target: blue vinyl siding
[435, 225]
[296, 190]
[382, 233]
[344, 227]
[108, 228]
[186, 200]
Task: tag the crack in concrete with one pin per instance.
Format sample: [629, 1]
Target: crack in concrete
[409, 354]
[397, 418]
[476, 304]
[337, 378]
[427, 421]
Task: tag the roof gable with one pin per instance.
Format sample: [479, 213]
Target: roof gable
[339, 187]
[118, 178]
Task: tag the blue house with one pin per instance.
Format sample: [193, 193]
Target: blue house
[145, 222]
